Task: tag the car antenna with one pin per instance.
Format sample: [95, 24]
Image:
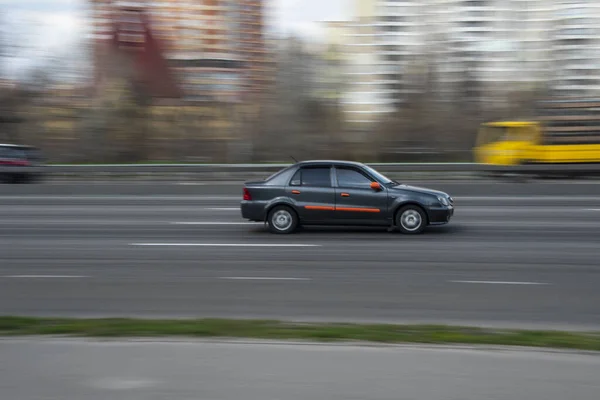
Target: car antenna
[292, 157]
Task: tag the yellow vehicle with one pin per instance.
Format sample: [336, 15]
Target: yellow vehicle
[567, 132]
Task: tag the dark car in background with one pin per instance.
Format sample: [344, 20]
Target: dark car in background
[20, 163]
[342, 193]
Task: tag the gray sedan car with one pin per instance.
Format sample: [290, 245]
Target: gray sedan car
[342, 193]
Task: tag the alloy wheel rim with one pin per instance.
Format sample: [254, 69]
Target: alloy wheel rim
[411, 220]
[282, 220]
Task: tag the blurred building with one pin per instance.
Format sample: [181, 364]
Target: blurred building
[482, 50]
[331, 58]
[216, 47]
[369, 70]
[576, 48]
[485, 49]
[126, 50]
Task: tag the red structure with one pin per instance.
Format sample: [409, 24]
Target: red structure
[131, 36]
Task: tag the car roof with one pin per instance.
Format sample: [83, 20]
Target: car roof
[329, 162]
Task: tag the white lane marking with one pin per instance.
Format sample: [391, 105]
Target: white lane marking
[212, 223]
[224, 245]
[46, 276]
[122, 198]
[122, 384]
[261, 278]
[527, 198]
[525, 224]
[522, 209]
[221, 208]
[31, 197]
[502, 283]
[224, 183]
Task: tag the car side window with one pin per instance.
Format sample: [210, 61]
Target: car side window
[17, 154]
[297, 178]
[316, 177]
[350, 177]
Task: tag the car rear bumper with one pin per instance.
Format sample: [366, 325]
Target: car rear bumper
[252, 211]
[440, 216]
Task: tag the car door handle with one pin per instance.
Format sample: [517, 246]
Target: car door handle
[345, 195]
[295, 192]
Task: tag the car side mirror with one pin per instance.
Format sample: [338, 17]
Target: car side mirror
[375, 186]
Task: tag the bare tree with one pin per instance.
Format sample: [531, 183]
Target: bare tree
[285, 128]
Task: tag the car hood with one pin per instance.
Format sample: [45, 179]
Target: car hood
[417, 189]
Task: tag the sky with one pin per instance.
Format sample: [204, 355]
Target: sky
[299, 16]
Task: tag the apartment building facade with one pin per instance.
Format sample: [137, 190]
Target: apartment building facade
[494, 46]
[479, 48]
[576, 48]
[382, 40]
[216, 47]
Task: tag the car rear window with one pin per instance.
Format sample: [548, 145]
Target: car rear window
[280, 178]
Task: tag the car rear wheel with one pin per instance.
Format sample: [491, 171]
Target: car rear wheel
[411, 219]
[282, 220]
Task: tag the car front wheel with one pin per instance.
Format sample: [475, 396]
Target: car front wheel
[411, 219]
[282, 220]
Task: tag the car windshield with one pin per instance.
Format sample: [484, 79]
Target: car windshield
[12, 152]
[33, 154]
[380, 176]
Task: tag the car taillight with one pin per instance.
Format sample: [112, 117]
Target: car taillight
[247, 195]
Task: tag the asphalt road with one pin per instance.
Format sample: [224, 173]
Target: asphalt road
[516, 254]
[57, 370]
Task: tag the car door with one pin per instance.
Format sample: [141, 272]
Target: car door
[313, 194]
[355, 200]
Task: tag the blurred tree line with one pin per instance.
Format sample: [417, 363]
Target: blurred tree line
[300, 115]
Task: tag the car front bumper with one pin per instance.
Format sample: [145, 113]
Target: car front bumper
[440, 216]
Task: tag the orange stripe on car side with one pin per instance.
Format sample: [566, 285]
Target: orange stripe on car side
[357, 209]
[351, 209]
[321, 208]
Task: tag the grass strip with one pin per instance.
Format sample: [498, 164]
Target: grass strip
[323, 332]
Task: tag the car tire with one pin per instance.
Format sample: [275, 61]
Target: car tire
[411, 220]
[282, 220]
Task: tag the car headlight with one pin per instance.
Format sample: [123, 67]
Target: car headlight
[443, 201]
